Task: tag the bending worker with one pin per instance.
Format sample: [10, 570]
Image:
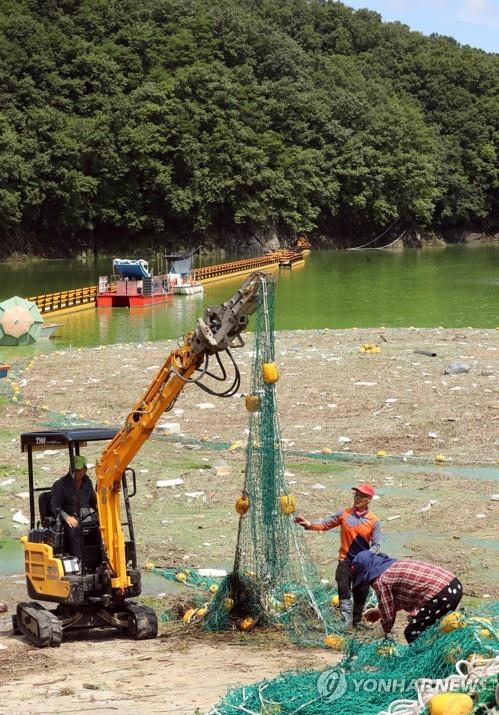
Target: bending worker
[69, 495]
[426, 591]
[360, 530]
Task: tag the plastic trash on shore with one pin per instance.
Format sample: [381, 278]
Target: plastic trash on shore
[212, 573]
[6, 482]
[168, 428]
[457, 368]
[19, 518]
[169, 482]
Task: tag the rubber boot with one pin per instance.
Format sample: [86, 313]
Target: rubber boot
[346, 611]
[357, 613]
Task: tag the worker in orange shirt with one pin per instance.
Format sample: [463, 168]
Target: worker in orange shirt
[360, 530]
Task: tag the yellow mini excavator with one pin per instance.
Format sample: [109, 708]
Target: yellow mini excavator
[94, 591]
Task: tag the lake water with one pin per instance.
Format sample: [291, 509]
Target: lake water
[453, 286]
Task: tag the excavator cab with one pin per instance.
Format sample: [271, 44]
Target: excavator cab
[45, 527]
[79, 585]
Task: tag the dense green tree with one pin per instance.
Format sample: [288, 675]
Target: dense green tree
[206, 114]
[13, 175]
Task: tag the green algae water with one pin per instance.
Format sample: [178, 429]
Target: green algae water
[11, 557]
[453, 286]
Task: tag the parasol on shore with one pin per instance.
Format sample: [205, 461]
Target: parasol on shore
[20, 321]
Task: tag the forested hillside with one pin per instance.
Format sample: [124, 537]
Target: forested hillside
[126, 117]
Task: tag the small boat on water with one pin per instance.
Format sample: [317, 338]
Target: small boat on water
[48, 329]
[135, 285]
[4, 369]
[180, 274]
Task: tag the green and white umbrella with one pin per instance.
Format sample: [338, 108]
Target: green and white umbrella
[20, 321]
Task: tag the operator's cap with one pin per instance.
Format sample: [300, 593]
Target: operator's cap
[366, 489]
[80, 462]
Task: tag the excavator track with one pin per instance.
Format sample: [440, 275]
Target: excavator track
[142, 622]
[40, 626]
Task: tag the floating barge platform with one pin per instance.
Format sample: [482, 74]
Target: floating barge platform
[135, 286]
[128, 295]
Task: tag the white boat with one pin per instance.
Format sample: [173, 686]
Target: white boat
[187, 288]
[48, 329]
[180, 274]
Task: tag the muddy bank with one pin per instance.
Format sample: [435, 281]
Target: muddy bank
[101, 674]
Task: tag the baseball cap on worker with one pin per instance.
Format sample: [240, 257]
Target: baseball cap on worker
[80, 462]
[365, 488]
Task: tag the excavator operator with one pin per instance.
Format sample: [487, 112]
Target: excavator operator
[70, 494]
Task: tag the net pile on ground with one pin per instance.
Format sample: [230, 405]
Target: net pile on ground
[374, 675]
[273, 580]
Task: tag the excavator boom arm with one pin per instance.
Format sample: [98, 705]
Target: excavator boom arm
[219, 329]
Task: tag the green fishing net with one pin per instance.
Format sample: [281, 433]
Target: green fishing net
[273, 580]
[373, 675]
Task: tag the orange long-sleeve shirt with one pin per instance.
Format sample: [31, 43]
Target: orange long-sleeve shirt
[358, 531]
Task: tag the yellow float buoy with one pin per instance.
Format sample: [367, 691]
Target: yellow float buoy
[451, 622]
[188, 615]
[451, 704]
[246, 623]
[289, 599]
[287, 503]
[335, 642]
[242, 505]
[270, 373]
[485, 633]
[252, 403]
[477, 658]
